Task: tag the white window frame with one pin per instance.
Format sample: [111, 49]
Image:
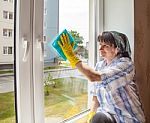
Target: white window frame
[29, 58]
[29, 61]
[24, 62]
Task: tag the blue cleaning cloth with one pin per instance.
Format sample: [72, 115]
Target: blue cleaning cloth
[58, 48]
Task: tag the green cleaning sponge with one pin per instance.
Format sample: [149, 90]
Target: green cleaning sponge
[58, 48]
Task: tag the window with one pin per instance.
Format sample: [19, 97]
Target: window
[5, 32]
[4, 50]
[65, 90]
[9, 32]
[5, 14]
[9, 50]
[10, 15]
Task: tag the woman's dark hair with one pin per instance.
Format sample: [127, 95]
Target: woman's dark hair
[108, 38]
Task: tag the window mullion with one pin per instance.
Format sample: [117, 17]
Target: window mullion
[38, 61]
[24, 62]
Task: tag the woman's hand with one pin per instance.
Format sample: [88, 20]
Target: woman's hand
[90, 115]
[67, 49]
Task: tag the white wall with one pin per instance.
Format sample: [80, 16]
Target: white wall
[119, 16]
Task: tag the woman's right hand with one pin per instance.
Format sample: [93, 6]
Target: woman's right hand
[91, 114]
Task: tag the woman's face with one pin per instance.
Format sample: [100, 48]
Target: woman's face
[107, 51]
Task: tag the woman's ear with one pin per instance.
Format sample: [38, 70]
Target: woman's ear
[116, 51]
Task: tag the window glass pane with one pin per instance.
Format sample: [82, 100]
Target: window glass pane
[4, 32]
[7, 95]
[65, 89]
[10, 15]
[9, 32]
[9, 50]
[5, 14]
[4, 50]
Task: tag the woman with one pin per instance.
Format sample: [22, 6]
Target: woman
[115, 97]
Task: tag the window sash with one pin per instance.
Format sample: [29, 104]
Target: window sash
[29, 77]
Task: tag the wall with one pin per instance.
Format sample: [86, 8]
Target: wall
[142, 57]
[136, 14]
[119, 16]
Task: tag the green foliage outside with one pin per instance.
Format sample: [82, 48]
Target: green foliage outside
[67, 98]
[7, 111]
[77, 37]
[6, 71]
[81, 50]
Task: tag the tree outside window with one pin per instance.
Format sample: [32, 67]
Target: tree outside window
[81, 50]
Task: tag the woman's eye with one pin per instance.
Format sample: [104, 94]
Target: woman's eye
[106, 46]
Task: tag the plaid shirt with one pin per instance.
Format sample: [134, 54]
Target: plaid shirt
[116, 92]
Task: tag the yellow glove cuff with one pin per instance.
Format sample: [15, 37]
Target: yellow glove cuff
[74, 60]
[91, 114]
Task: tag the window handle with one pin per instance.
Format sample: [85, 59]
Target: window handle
[40, 44]
[26, 49]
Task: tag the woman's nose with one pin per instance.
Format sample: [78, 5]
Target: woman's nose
[100, 47]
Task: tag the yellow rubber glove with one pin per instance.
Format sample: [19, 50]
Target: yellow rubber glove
[67, 49]
[91, 114]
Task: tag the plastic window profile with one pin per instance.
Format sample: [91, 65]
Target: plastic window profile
[76, 117]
